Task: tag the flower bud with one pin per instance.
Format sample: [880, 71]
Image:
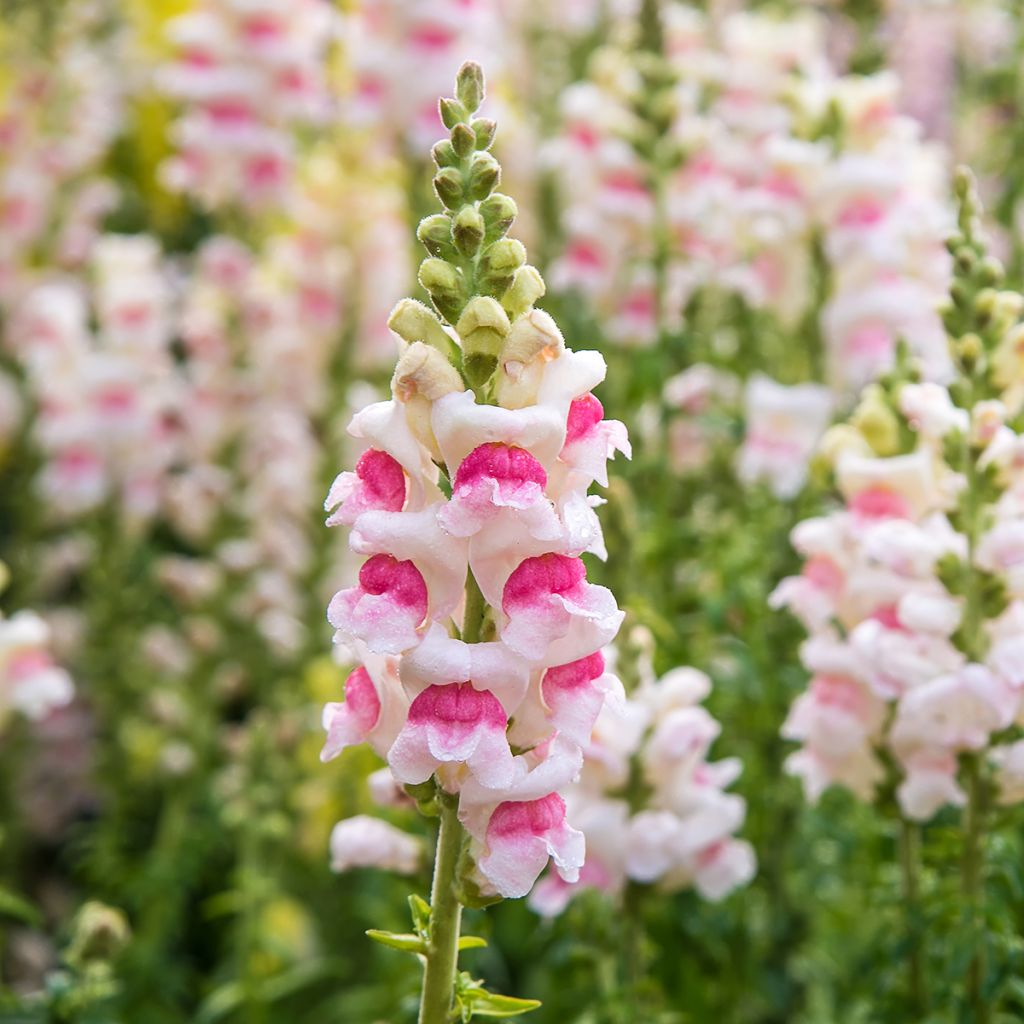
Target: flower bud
[421, 377]
[499, 211]
[840, 440]
[532, 343]
[98, 934]
[526, 288]
[435, 232]
[463, 141]
[413, 322]
[445, 286]
[499, 263]
[484, 130]
[448, 187]
[468, 230]
[423, 372]
[484, 175]
[444, 154]
[483, 328]
[469, 86]
[452, 113]
[877, 422]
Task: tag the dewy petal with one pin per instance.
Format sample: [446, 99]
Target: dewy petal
[554, 615]
[574, 696]
[417, 537]
[453, 724]
[378, 483]
[374, 709]
[386, 609]
[494, 477]
[521, 836]
[590, 441]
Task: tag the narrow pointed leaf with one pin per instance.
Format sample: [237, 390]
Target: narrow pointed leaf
[405, 942]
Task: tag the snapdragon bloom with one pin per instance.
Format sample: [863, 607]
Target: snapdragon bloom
[31, 683]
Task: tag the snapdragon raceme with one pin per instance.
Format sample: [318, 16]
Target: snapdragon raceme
[910, 591]
[472, 619]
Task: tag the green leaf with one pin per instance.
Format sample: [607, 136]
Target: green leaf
[407, 943]
[13, 905]
[420, 910]
[487, 1004]
[472, 942]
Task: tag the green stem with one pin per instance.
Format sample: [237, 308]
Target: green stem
[445, 920]
[972, 877]
[476, 608]
[910, 855]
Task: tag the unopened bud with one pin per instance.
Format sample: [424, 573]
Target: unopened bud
[526, 288]
[463, 140]
[532, 343]
[468, 230]
[448, 187]
[413, 322]
[422, 372]
[435, 232]
[484, 130]
[968, 350]
[484, 175]
[452, 113]
[499, 263]
[992, 270]
[877, 422]
[499, 211]
[469, 86]
[483, 326]
[98, 934]
[445, 286]
[444, 154]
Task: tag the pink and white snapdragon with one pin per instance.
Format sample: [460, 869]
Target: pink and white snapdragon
[249, 75]
[677, 829]
[31, 683]
[107, 396]
[915, 624]
[476, 632]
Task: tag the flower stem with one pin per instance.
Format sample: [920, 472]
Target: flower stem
[445, 920]
[910, 855]
[972, 877]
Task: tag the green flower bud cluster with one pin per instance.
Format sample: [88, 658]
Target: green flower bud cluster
[982, 320]
[477, 278]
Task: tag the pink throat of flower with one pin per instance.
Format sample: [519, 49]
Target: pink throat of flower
[532, 817]
[542, 575]
[880, 503]
[401, 581]
[575, 675]
[361, 699]
[384, 479]
[584, 415]
[502, 462]
[458, 704]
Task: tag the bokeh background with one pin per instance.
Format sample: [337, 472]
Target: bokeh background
[207, 211]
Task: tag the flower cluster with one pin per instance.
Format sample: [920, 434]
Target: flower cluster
[249, 74]
[58, 117]
[763, 151]
[106, 395]
[910, 591]
[31, 683]
[403, 56]
[470, 504]
[653, 808]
